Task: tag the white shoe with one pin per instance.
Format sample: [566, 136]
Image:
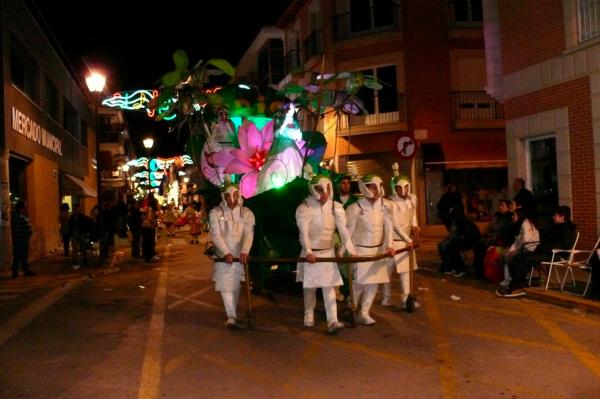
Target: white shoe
[231, 323]
[309, 319]
[155, 258]
[334, 326]
[365, 319]
[386, 301]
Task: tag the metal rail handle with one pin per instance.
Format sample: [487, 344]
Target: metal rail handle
[342, 259]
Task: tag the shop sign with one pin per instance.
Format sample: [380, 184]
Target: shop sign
[30, 129]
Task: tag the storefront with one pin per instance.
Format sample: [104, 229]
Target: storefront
[44, 139]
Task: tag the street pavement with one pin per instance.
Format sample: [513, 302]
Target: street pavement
[156, 330]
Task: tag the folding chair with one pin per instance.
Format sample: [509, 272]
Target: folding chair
[558, 259]
[584, 265]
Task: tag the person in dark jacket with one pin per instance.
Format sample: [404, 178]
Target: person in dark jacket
[561, 236]
[134, 220]
[462, 236]
[452, 199]
[21, 233]
[523, 196]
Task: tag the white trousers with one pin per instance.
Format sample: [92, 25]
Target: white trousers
[230, 301]
[364, 295]
[310, 301]
[404, 287]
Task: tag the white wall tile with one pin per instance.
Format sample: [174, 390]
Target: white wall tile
[555, 71]
[562, 141]
[568, 66]
[534, 127]
[580, 64]
[595, 83]
[596, 106]
[561, 118]
[534, 77]
[545, 76]
[547, 122]
[593, 58]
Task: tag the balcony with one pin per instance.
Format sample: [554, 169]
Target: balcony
[373, 20]
[476, 110]
[465, 14]
[292, 61]
[375, 122]
[313, 45]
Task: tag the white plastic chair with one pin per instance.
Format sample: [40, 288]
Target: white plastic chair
[583, 265]
[559, 258]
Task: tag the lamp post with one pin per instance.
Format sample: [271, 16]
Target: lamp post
[95, 82]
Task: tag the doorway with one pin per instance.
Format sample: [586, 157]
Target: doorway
[543, 177]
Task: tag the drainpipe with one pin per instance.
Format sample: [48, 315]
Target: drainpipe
[493, 50]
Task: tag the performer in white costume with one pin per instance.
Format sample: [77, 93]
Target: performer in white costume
[232, 232]
[370, 227]
[317, 218]
[404, 217]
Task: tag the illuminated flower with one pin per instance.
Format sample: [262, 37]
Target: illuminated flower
[250, 158]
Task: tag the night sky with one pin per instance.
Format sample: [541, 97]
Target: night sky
[133, 41]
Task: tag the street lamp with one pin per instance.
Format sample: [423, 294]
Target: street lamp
[95, 82]
[148, 142]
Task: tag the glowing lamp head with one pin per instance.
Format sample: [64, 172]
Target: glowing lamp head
[125, 168]
[148, 142]
[95, 82]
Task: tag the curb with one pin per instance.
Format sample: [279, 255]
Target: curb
[562, 299]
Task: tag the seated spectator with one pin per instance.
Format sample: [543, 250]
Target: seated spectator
[496, 235]
[561, 235]
[463, 235]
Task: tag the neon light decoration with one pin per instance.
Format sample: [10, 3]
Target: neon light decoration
[132, 100]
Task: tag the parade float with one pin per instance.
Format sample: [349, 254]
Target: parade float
[261, 137]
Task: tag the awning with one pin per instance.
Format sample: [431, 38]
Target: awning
[483, 154]
[74, 185]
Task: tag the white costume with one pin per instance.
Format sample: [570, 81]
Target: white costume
[370, 227]
[317, 224]
[232, 232]
[404, 217]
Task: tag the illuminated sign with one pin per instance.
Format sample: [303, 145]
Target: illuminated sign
[28, 128]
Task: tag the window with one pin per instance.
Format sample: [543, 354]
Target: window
[51, 101]
[23, 70]
[465, 13]
[541, 153]
[70, 119]
[84, 132]
[386, 99]
[371, 14]
[588, 19]
[270, 62]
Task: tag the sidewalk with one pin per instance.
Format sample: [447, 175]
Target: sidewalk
[429, 262]
[57, 266]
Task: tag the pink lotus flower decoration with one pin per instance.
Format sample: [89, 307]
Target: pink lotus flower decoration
[250, 157]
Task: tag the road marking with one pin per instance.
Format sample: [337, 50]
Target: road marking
[508, 340]
[359, 348]
[189, 297]
[196, 301]
[173, 276]
[578, 350]
[440, 337]
[151, 369]
[297, 375]
[21, 319]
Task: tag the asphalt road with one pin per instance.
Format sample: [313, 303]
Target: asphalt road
[157, 331]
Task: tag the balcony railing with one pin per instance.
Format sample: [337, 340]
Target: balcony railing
[355, 24]
[292, 60]
[465, 14]
[475, 106]
[379, 118]
[588, 19]
[313, 45]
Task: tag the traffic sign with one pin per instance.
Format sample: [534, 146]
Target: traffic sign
[407, 147]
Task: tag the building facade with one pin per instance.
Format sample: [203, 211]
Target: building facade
[47, 139]
[544, 65]
[430, 57]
